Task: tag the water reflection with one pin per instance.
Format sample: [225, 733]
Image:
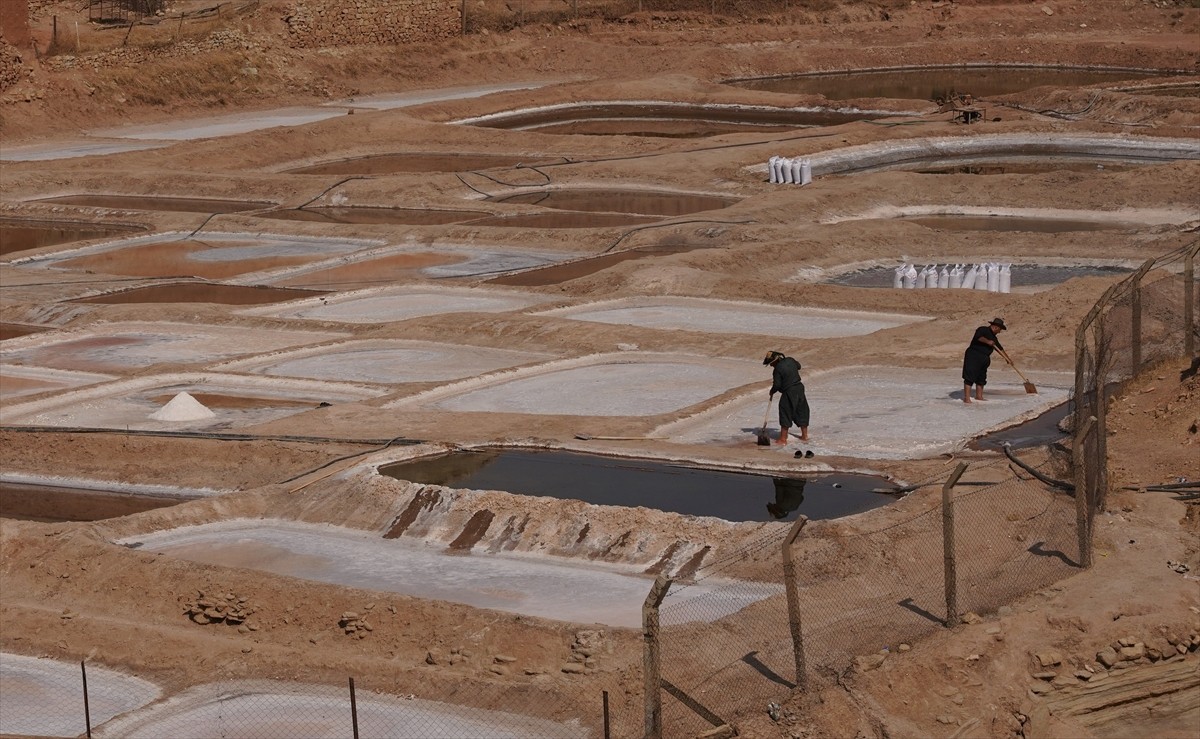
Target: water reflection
[789, 496]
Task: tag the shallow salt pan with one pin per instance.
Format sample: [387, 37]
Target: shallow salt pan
[235, 401]
[126, 345]
[387, 362]
[526, 584]
[629, 384]
[274, 709]
[398, 304]
[883, 412]
[44, 697]
[734, 317]
[19, 381]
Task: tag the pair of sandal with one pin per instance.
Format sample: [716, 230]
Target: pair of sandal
[808, 454]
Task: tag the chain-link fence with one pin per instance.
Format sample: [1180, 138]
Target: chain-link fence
[859, 594]
[43, 697]
[1144, 320]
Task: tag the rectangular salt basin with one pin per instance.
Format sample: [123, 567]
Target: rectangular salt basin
[883, 412]
[527, 584]
[387, 362]
[726, 316]
[627, 384]
[18, 381]
[382, 305]
[113, 347]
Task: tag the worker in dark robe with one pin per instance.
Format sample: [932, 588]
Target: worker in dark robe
[978, 357]
[793, 403]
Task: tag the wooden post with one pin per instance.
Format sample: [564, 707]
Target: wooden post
[87, 711]
[651, 656]
[607, 726]
[463, 20]
[1078, 461]
[1135, 326]
[353, 709]
[949, 565]
[793, 600]
[1189, 304]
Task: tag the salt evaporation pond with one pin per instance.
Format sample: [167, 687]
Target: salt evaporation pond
[382, 305]
[734, 317]
[285, 710]
[533, 585]
[44, 697]
[1023, 275]
[732, 496]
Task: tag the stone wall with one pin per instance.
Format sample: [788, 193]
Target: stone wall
[12, 68]
[317, 23]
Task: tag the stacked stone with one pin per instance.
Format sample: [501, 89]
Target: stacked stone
[318, 23]
[12, 68]
[227, 608]
[355, 625]
[585, 651]
[1126, 652]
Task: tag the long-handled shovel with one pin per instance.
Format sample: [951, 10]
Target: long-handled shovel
[763, 439]
[1030, 388]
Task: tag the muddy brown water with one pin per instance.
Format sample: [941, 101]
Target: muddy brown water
[368, 216]
[1022, 274]
[147, 202]
[53, 504]
[200, 292]
[668, 121]
[695, 491]
[1016, 223]
[559, 273]
[936, 83]
[620, 201]
[412, 162]
[13, 330]
[18, 235]
[187, 257]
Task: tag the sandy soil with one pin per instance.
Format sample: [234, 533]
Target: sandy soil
[127, 607]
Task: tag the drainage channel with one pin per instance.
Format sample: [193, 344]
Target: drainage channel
[732, 496]
[620, 201]
[411, 162]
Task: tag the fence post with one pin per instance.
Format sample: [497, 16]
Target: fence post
[793, 601]
[1135, 325]
[353, 709]
[87, 711]
[607, 726]
[463, 20]
[1082, 493]
[650, 657]
[1189, 303]
[949, 565]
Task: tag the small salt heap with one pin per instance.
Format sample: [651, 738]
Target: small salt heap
[183, 407]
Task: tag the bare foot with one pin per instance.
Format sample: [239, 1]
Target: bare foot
[967, 400]
[804, 438]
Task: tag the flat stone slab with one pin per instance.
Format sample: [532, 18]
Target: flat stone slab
[383, 305]
[546, 587]
[283, 710]
[235, 402]
[726, 316]
[44, 697]
[387, 362]
[113, 347]
[626, 384]
[881, 412]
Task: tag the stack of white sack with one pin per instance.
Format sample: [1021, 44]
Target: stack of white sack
[789, 171]
[990, 276]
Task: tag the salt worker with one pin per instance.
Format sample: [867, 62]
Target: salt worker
[978, 357]
[793, 404]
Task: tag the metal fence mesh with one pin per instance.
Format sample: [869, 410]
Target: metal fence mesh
[861, 592]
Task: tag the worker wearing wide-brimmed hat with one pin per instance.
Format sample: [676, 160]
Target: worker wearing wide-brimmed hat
[793, 404]
[978, 357]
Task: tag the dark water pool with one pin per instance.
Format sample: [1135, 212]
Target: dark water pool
[17, 235]
[731, 496]
[1037, 431]
[202, 292]
[53, 504]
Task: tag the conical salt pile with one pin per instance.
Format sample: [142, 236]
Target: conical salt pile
[182, 407]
